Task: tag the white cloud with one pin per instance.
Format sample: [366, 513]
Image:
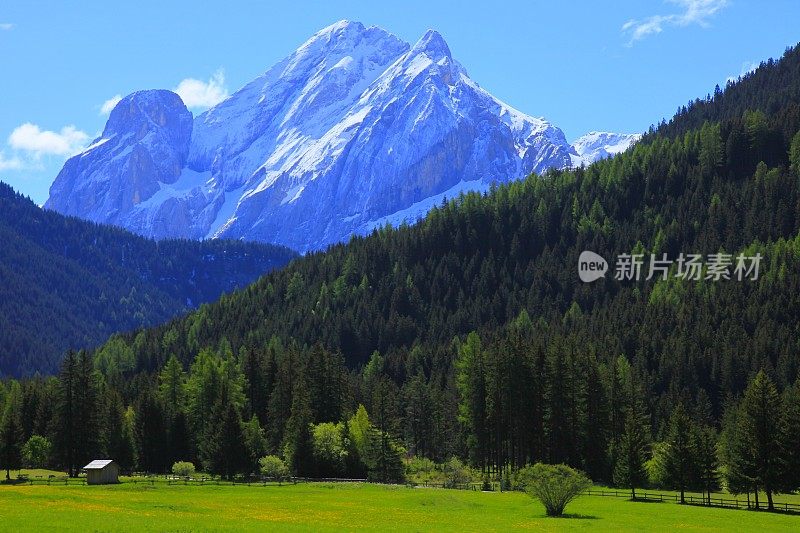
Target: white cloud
[6, 26]
[15, 163]
[109, 104]
[694, 12]
[747, 68]
[37, 142]
[197, 93]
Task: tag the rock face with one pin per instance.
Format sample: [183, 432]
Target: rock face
[598, 145]
[144, 145]
[354, 129]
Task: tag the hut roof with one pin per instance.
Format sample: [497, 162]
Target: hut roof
[98, 464]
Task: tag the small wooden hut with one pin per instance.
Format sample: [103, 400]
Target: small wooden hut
[102, 472]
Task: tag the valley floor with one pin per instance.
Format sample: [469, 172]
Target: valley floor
[343, 507]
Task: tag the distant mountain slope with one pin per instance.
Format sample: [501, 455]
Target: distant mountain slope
[353, 129]
[66, 283]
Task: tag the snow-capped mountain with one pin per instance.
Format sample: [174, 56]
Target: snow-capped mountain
[354, 129]
[598, 145]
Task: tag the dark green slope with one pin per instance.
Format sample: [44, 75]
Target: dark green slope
[67, 283]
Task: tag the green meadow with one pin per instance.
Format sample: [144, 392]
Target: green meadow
[343, 507]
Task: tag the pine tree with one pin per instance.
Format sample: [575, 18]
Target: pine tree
[223, 450]
[735, 479]
[180, 439]
[120, 443]
[297, 437]
[172, 387]
[254, 441]
[89, 408]
[384, 457]
[791, 401]
[597, 420]
[151, 430]
[279, 408]
[471, 383]
[631, 454]
[11, 436]
[358, 428]
[794, 154]
[706, 460]
[758, 448]
[65, 433]
[127, 454]
[680, 451]
[203, 390]
[77, 432]
[418, 423]
[257, 382]
[324, 373]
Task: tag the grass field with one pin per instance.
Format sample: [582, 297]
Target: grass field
[337, 507]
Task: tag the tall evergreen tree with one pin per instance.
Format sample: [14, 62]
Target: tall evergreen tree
[383, 457]
[471, 382]
[736, 480]
[11, 434]
[223, 448]
[120, 445]
[384, 453]
[66, 438]
[279, 408]
[151, 430]
[681, 450]
[596, 443]
[172, 387]
[78, 436]
[297, 438]
[791, 401]
[706, 460]
[258, 386]
[255, 442]
[418, 416]
[759, 445]
[631, 454]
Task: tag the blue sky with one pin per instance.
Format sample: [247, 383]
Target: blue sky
[585, 65]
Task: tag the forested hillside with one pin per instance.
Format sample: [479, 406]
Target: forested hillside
[66, 283]
[470, 334]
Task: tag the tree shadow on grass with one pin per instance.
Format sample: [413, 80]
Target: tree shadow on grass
[573, 516]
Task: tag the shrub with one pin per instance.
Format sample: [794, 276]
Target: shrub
[553, 485]
[329, 448]
[183, 469]
[456, 473]
[421, 470]
[273, 467]
[36, 452]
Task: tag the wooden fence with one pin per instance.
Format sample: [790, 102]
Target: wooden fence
[176, 480]
[712, 501]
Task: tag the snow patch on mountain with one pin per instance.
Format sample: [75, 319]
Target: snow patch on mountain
[597, 145]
